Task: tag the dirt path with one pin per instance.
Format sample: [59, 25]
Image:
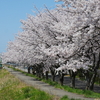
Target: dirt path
[45, 87]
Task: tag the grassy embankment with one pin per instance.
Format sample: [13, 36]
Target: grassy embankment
[12, 88]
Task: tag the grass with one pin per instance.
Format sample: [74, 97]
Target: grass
[12, 88]
[86, 93]
[66, 98]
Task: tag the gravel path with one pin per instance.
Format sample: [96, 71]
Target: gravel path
[45, 87]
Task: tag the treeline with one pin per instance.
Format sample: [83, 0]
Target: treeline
[65, 40]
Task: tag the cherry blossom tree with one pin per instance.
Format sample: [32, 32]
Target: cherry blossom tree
[85, 32]
[68, 36]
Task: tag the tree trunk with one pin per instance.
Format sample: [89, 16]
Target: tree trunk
[94, 75]
[88, 79]
[28, 69]
[33, 71]
[72, 75]
[46, 75]
[87, 84]
[43, 75]
[73, 81]
[53, 77]
[61, 79]
[92, 81]
[52, 74]
[96, 66]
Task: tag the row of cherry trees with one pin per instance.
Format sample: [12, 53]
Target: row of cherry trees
[60, 40]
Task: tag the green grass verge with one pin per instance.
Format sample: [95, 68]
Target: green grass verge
[86, 93]
[12, 88]
[66, 98]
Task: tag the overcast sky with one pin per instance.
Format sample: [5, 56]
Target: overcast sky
[11, 12]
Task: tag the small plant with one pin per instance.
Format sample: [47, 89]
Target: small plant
[66, 98]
